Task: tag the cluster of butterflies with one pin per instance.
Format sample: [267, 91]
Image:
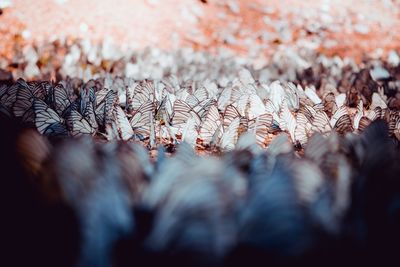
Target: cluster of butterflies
[202, 114]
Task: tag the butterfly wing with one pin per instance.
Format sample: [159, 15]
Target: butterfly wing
[124, 128]
[47, 121]
[260, 127]
[61, 99]
[182, 112]
[142, 119]
[230, 114]
[78, 125]
[230, 136]
[23, 103]
[210, 124]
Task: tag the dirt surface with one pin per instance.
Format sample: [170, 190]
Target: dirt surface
[258, 28]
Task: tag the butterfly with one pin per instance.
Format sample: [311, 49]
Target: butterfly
[47, 121]
[210, 125]
[78, 125]
[104, 109]
[260, 126]
[182, 112]
[341, 121]
[230, 135]
[22, 107]
[142, 93]
[288, 121]
[122, 125]
[303, 127]
[60, 99]
[143, 119]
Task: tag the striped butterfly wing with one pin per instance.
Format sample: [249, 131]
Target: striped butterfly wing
[182, 112]
[3, 90]
[230, 114]
[375, 114]
[87, 97]
[363, 124]
[302, 129]
[230, 136]
[339, 113]
[144, 92]
[47, 121]
[312, 95]
[78, 125]
[8, 96]
[199, 95]
[142, 120]
[308, 111]
[104, 109]
[90, 116]
[344, 125]
[101, 95]
[260, 126]
[392, 122]
[161, 112]
[320, 123]
[341, 121]
[254, 107]
[288, 121]
[189, 131]
[130, 93]
[202, 108]
[292, 97]
[396, 130]
[40, 89]
[60, 99]
[210, 125]
[23, 104]
[124, 128]
[192, 100]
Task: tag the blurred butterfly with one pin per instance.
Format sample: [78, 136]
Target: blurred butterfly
[341, 121]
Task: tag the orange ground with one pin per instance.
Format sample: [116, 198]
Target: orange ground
[170, 24]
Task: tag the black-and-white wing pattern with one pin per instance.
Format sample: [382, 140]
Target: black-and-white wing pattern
[47, 121]
[207, 112]
[182, 112]
[142, 119]
[124, 128]
[78, 125]
[60, 99]
[260, 126]
[210, 125]
[105, 108]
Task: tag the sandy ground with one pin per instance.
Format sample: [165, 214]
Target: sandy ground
[346, 28]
